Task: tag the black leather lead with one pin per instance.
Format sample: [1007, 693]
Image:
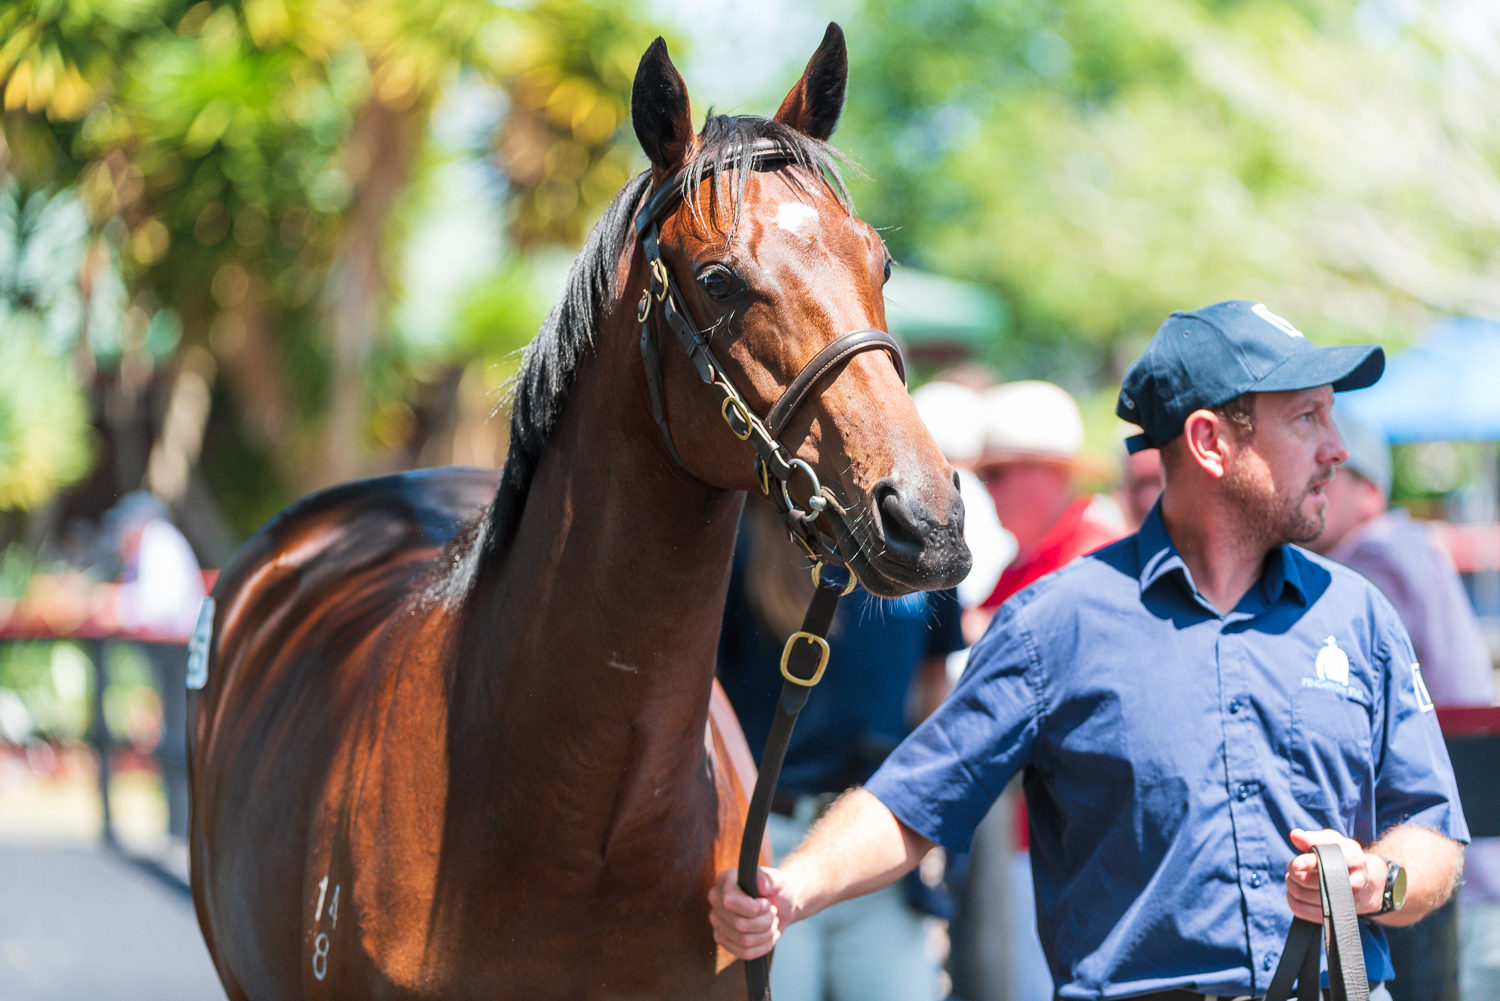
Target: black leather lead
[802, 665]
[1347, 978]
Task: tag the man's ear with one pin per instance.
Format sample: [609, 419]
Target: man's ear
[1208, 439]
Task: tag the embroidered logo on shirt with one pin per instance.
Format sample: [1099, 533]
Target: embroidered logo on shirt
[1332, 663]
[1331, 673]
[1419, 687]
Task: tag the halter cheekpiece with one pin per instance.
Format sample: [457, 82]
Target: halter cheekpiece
[776, 467]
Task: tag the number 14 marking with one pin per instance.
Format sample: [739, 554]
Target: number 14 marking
[333, 905]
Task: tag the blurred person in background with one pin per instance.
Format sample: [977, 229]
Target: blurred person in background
[1031, 463]
[1140, 485]
[954, 414]
[887, 670]
[156, 604]
[1401, 558]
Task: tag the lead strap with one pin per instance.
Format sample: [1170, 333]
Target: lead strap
[803, 661]
[1347, 978]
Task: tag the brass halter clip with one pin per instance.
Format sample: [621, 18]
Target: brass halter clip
[817, 577]
[657, 288]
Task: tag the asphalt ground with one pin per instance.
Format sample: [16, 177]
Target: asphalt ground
[83, 922]
[79, 921]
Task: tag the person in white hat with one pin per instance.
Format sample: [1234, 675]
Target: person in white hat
[1031, 462]
[954, 413]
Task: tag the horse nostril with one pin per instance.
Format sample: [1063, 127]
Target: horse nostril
[898, 522]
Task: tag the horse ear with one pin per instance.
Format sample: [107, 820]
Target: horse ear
[659, 110]
[814, 104]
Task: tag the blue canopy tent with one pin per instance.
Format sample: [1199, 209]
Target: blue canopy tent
[1445, 388]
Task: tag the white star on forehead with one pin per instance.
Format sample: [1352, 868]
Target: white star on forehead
[794, 217]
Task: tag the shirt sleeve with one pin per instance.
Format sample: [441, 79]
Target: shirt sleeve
[1414, 781]
[945, 776]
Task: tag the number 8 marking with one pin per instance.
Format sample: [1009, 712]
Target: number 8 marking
[320, 955]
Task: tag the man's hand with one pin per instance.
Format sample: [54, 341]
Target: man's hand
[749, 926]
[1366, 875]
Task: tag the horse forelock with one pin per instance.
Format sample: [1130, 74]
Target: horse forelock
[538, 392]
[725, 145]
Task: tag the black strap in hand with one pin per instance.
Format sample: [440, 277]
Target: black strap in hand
[1347, 979]
[802, 665]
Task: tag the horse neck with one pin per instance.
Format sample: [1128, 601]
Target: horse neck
[591, 638]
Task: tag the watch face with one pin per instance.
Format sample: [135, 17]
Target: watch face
[1395, 886]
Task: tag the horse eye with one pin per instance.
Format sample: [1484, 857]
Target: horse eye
[719, 282]
[887, 270]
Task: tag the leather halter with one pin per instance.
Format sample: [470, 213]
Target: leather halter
[775, 465]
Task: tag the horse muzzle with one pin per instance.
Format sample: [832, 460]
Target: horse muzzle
[903, 545]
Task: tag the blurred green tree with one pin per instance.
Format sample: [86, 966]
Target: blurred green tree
[245, 163]
[1102, 162]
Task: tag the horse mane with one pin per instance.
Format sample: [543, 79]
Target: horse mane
[539, 391]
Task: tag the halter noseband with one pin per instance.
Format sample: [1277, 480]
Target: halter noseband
[774, 463]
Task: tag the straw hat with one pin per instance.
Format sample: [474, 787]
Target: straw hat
[954, 414]
[1033, 421]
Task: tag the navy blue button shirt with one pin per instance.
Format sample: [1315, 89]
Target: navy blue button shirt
[1168, 750]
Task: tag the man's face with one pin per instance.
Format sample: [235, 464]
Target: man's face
[1280, 473]
[1021, 488]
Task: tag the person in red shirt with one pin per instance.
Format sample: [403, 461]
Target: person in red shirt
[1032, 462]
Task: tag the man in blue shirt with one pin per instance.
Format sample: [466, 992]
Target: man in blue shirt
[1192, 708]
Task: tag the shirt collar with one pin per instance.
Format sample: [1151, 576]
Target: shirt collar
[1159, 558]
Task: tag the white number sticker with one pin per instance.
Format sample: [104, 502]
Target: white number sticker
[321, 942]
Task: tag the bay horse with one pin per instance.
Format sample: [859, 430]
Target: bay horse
[455, 732]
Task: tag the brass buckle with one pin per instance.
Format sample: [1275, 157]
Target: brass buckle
[786, 653]
[731, 403]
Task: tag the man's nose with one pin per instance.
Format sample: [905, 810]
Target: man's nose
[1335, 453]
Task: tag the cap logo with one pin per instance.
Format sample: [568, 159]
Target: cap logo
[1125, 399]
[1260, 310]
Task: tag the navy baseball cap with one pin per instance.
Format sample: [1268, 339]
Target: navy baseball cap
[1203, 359]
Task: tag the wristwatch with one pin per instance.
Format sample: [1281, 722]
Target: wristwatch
[1395, 887]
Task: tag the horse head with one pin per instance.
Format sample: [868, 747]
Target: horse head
[763, 330]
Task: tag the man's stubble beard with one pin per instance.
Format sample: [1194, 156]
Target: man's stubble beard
[1269, 516]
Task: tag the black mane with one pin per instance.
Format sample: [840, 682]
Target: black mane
[540, 390]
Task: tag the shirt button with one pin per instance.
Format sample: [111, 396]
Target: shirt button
[1256, 880]
[1243, 791]
[1268, 962]
[1235, 705]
